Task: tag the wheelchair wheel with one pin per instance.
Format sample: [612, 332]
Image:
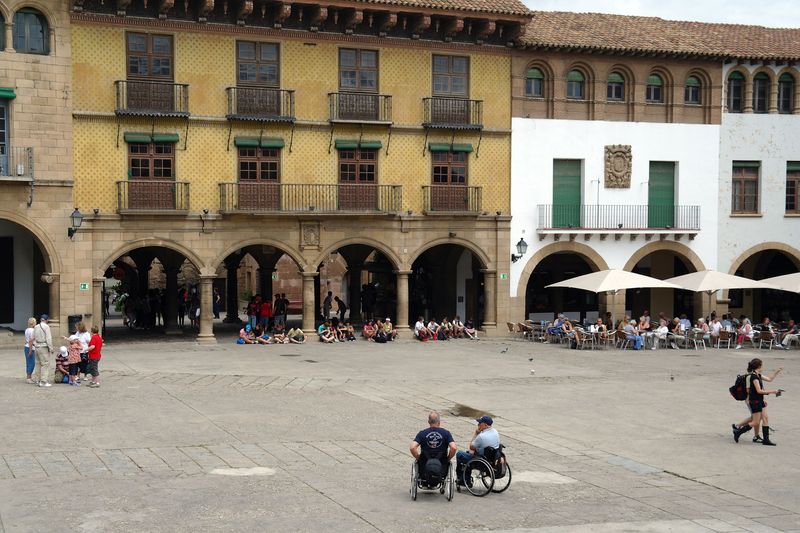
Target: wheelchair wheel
[450, 483]
[502, 483]
[478, 477]
[414, 477]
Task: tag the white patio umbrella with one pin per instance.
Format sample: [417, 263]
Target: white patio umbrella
[711, 281]
[789, 282]
[612, 281]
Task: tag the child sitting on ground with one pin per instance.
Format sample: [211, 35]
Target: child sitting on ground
[245, 336]
[296, 336]
[279, 335]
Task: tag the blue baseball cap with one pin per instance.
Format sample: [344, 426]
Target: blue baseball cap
[485, 420]
[44, 317]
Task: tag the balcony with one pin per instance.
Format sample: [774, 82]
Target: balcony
[16, 163]
[152, 98]
[452, 199]
[452, 113]
[137, 196]
[260, 104]
[277, 198]
[618, 220]
[360, 108]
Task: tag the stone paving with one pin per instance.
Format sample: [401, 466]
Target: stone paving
[312, 438]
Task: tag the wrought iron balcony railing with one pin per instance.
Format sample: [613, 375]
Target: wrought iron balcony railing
[260, 103]
[452, 199]
[441, 112]
[152, 195]
[619, 217]
[293, 198]
[360, 108]
[152, 98]
[16, 162]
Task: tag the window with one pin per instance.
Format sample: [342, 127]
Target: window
[151, 160]
[31, 35]
[259, 164]
[615, 91]
[2, 32]
[358, 70]
[358, 165]
[449, 168]
[793, 187]
[149, 56]
[450, 76]
[786, 93]
[745, 186]
[691, 92]
[760, 93]
[736, 92]
[654, 93]
[534, 83]
[575, 81]
[257, 64]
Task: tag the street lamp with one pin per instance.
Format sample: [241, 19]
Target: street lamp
[76, 219]
[522, 247]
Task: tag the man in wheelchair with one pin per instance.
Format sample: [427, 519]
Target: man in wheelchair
[485, 437]
[433, 448]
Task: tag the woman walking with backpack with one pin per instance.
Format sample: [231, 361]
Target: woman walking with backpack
[756, 404]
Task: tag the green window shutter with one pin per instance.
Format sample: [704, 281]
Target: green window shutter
[692, 81]
[785, 77]
[575, 75]
[615, 77]
[272, 142]
[654, 79]
[246, 142]
[747, 164]
[566, 193]
[736, 75]
[370, 145]
[137, 137]
[793, 166]
[7, 93]
[461, 148]
[340, 144]
[166, 138]
[661, 195]
[761, 76]
[535, 74]
[438, 147]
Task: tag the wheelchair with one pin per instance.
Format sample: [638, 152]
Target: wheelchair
[435, 474]
[487, 473]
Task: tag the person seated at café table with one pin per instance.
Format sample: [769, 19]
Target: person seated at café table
[702, 325]
[714, 328]
[566, 328]
[686, 324]
[644, 330]
[765, 325]
[790, 335]
[660, 333]
[676, 333]
[600, 329]
[632, 333]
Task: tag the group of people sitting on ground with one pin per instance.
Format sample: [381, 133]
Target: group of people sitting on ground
[276, 335]
[445, 330]
[380, 331]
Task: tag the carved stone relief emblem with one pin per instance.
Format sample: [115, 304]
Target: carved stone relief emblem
[309, 235]
[619, 160]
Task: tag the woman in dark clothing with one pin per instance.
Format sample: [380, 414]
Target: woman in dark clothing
[756, 403]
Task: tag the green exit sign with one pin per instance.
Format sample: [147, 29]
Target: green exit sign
[503, 276]
[84, 286]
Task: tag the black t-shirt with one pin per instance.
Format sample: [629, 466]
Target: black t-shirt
[754, 396]
[433, 442]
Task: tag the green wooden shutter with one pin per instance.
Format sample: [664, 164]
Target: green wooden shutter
[566, 193]
[661, 195]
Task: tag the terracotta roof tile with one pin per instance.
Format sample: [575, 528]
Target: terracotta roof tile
[655, 35]
[505, 7]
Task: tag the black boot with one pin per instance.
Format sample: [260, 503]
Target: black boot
[766, 441]
[739, 431]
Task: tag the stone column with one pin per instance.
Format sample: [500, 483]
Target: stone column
[206, 335]
[54, 307]
[748, 94]
[10, 36]
[489, 298]
[772, 101]
[309, 313]
[403, 323]
[232, 290]
[97, 303]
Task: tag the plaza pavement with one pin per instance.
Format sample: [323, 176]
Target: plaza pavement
[315, 438]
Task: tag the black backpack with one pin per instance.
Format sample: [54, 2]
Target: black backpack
[739, 389]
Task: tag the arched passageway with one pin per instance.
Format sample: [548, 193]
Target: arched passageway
[544, 304]
[663, 264]
[26, 292]
[757, 304]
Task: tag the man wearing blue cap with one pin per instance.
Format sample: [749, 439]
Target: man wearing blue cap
[485, 436]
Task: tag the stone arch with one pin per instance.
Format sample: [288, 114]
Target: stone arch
[586, 252]
[625, 71]
[5, 12]
[42, 8]
[381, 247]
[476, 250]
[792, 252]
[542, 64]
[584, 68]
[669, 246]
[294, 254]
[52, 261]
[147, 242]
[791, 71]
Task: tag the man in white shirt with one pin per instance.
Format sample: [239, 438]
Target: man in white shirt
[485, 436]
[43, 339]
[420, 331]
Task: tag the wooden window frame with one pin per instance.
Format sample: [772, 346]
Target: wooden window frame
[450, 75]
[151, 156]
[761, 84]
[731, 97]
[783, 93]
[258, 62]
[793, 191]
[650, 96]
[613, 86]
[262, 158]
[149, 54]
[358, 69]
[689, 90]
[26, 12]
[739, 198]
[530, 84]
[361, 164]
[449, 164]
[575, 83]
